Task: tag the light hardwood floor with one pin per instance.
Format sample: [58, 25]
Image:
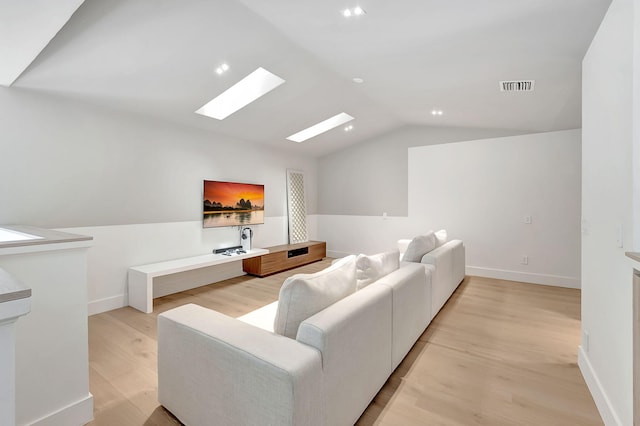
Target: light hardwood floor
[499, 353]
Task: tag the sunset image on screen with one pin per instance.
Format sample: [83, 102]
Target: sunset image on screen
[232, 204]
[229, 195]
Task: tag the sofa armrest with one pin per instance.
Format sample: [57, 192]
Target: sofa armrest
[354, 337]
[411, 308]
[448, 261]
[214, 369]
[456, 251]
[438, 253]
[459, 261]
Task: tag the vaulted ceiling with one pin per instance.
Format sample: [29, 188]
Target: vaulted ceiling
[159, 58]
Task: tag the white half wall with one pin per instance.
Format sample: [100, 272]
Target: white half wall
[117, 248]
[346, 234]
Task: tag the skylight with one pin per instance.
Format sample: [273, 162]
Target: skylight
[321, 127]
[257, 84]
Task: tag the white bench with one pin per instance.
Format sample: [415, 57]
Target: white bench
[141, 277]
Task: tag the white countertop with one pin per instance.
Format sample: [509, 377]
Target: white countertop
[633, 255]
[46, 236]
[12, 289]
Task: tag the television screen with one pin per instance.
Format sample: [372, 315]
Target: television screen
[232, 204]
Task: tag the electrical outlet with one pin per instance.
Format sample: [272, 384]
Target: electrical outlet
[524, 260]
[528, 220]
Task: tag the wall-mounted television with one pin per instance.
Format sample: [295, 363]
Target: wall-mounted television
[232, 204]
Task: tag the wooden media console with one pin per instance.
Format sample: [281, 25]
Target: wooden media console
[287, 256]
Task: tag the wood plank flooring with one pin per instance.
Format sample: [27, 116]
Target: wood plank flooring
[499, 353]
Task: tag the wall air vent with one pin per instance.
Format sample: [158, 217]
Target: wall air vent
[517, 86]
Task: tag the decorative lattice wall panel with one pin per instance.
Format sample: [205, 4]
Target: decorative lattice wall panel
[296, 207]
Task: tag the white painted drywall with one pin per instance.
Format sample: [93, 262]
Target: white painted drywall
[349, 234]
[118, 247]
[607, 179]
[483, 190]
[27, 28]
[636, 131]
[68, 164]
[52, 360]
[370, 178]
[132, 183]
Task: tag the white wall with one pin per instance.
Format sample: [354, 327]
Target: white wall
[608, 125]
[67, 164]
[370, 178]
[52, 361]
[349, 234]
[133, 183]
[481, 191]
[118, 247]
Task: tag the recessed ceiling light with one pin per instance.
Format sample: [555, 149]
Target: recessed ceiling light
[358, 80]
[436, 112]
[356, 11]
[257, 84]
[222, 68]
[348, 128]
[321, 127]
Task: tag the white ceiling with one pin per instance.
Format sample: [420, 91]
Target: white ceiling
[26, 27]
[159, 58]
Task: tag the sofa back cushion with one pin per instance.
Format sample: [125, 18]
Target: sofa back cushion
[304, 295]
[419, 246]
[371, 268]
[441, 237]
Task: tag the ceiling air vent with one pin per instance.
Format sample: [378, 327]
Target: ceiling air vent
[517, 86]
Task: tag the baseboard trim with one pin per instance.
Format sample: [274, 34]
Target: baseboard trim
[77, 413]
[608, 414]
[525, 277]
[106, 304]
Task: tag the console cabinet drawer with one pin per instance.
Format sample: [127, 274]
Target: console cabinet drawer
[281, 258]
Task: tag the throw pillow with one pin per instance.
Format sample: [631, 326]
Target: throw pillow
[419, 246]
[372, 268]
[304, 295]
[441, 237]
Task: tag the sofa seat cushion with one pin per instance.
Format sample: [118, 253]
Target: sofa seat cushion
[304, 295]
[419, 246]
[263, 317]
[371, 268]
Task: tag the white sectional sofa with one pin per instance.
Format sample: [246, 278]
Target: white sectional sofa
[318, 356]
[214, 369]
